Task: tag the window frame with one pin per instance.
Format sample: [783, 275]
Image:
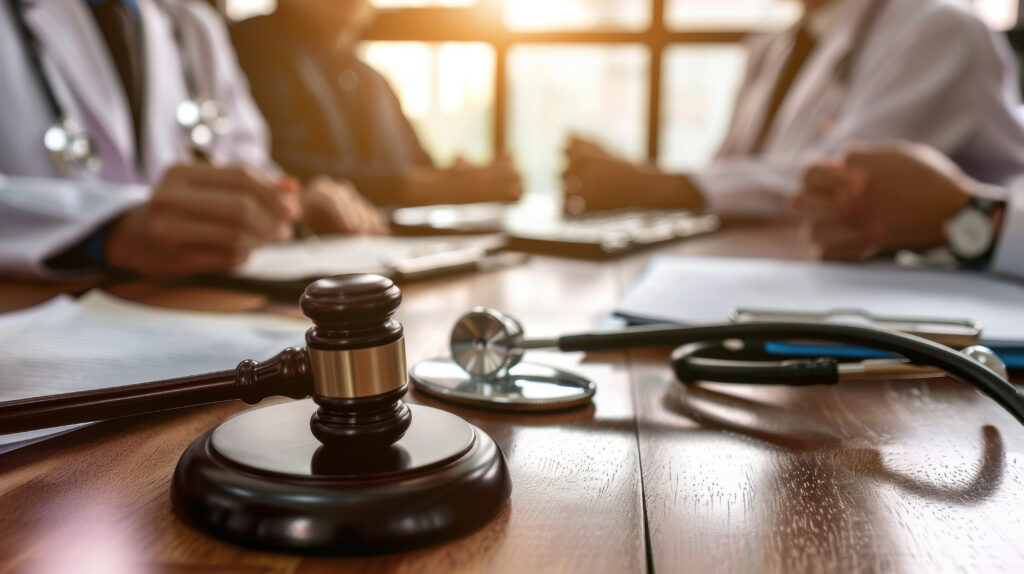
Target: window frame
[483, 23]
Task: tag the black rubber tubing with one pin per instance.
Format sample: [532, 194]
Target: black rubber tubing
[690, 366]
[917, 350]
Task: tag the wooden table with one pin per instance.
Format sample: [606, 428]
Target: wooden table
[919, 476]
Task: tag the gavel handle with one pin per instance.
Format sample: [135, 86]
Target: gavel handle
[287, 374]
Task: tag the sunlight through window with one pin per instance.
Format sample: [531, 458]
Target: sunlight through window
[698, 90]
[536, 15]
[599, 92]
[421, 3]
[447, 91]
[731, 14]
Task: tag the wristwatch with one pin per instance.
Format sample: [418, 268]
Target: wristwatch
[972, 232]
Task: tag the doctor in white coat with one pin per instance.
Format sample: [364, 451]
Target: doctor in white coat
[851, 70]
[148, 206]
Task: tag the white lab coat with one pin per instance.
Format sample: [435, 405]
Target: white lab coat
[929, 71]
[42, 212]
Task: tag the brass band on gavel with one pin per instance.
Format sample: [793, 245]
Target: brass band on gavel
[355, 373]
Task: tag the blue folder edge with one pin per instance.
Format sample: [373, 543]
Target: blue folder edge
[1013, 357]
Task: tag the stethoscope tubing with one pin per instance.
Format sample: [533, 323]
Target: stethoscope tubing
[916, 349]
[35, 56]
[690, 364]
[190, 72]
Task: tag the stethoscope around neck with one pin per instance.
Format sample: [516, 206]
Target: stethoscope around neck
[70, 145]
[487, 348]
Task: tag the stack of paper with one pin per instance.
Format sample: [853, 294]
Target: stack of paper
[97, 341]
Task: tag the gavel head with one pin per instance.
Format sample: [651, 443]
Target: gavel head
[357, 356]
[486, 342]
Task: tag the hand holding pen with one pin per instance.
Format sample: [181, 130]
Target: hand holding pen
[205, 218]
[201, 218]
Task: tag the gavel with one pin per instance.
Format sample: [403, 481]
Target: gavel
[338, 474]
[353, 366]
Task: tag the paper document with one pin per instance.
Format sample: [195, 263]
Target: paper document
[67, 345]
[705, 290]
[325, 256]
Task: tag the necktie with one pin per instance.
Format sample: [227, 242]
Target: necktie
[118, 21]
[802, 47]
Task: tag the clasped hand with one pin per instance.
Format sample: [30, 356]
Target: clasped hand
[881, 198]
[463, 183]
[204, 218]
[596, 180]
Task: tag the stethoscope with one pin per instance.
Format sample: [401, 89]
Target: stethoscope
[487, 347]
[71, 147]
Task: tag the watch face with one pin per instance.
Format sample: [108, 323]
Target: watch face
[970, 233]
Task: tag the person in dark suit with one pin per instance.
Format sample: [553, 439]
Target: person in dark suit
[330, 113]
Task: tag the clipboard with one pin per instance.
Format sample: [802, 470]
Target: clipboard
[693, 290]
[952, 332]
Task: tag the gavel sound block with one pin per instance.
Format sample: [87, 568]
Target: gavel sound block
[366, 473]
[354, 470]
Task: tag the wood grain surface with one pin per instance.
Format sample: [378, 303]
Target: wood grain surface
[921, 476]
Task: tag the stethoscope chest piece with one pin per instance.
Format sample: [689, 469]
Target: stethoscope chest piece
[486, 342]
[524, 387]
[203, 121]
[71, 148]
[485, 369]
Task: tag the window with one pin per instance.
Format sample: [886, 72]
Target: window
[698, 87]
[647, 78]
[421, 3]
[540, 70]
[446, 90]
[731, 14]
[562, 15]
[596, 91]
[998, 14]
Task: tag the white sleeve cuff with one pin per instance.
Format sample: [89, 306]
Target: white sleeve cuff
[40, 217]
[750, 186]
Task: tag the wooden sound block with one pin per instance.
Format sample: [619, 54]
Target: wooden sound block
[262, 479]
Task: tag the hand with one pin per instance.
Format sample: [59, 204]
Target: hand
[880, 199]
[464, 183]
[596, 180]
[201, 218]
[497, 181]
[582, 148]
[330, 206]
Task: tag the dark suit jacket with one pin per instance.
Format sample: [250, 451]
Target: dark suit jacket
[327, 115]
